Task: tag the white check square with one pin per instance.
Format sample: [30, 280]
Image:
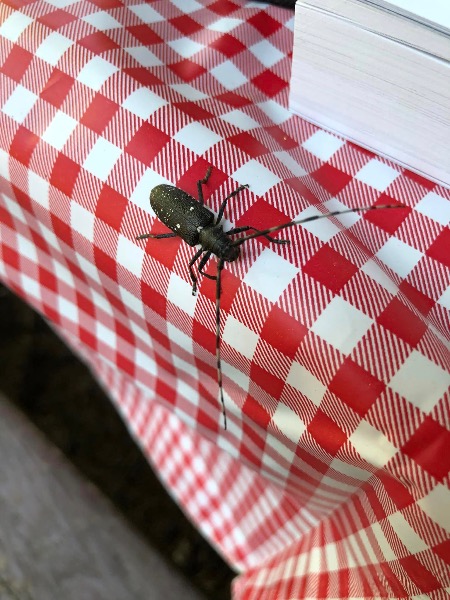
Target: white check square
[30, 287]
[105, 335]
[435, 505]
[26, 248]
[288, 422]
[14, 26]
[188, 91]
[143, 103]
[377, 174]
[186, 47]
[276, 112]
[323, 145]
[324, 229]
[305, 382]
[436, 207]
[82, 220]
[144, 56]
[179, 338]
[258, 176]
[187, 6]
[290, 163]
[130, 255]
[180, 294]
[197, 137]
[146, 13]
[140, 194]
[240, 337]
[59, 130]
[39, 189]
[102, 158]
[342, 325]
[266, 53]
[96, 72]
[420, 381]
[228, 75]
[400, 257]
[53, 47]
[240, 119]
[372, 445]
[19, 104]
[225, 24]
[270, 275]
[102, 20]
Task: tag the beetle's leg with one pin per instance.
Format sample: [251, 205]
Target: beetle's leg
[224, 203]
[248, 227]
[155, 236]
[191, 270]
[201, 182]
[218, 358]
[202, 263]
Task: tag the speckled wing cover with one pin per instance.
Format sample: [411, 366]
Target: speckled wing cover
[332, 480]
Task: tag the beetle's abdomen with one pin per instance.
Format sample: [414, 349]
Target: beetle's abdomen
[182, 213]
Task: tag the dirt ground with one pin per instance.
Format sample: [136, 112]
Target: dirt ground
[35, 368]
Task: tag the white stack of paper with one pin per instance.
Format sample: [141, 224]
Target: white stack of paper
[378, 73]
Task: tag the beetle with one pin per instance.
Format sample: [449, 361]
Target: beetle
[196, 224]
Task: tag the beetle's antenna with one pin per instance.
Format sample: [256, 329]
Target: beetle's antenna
[219, 365]
[240, 241]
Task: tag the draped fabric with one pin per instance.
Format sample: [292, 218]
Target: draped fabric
[332, 478]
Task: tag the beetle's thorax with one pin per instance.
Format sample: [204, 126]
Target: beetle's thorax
[212, 238]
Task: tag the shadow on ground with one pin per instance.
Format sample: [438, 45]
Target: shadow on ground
[57, 392]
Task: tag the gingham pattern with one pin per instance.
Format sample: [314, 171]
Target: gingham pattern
[332, 480]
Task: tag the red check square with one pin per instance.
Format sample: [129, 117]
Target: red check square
[16, 63]
[111, 207]
[99, 113]
[23, 145]
[64, 174]
[326, 433]
[283, 332]
[356, 387]
[227, 45]
[187, 69]
[98, 42]
[269, 83]
[264, 23]
[147, 142]
[429, 448]
[440, 249]
[332, 179]
[57, 88]
[402, 322]
[330, 268]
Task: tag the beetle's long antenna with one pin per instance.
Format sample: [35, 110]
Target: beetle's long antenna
[219, 365]
[241, 240]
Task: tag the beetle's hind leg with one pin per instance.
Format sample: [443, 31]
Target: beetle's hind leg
[193, 260]
[201, 182]
[249, 227]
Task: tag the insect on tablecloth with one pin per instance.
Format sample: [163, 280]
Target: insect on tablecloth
[332, 478]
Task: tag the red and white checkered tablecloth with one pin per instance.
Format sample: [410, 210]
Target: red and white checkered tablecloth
[332, 480]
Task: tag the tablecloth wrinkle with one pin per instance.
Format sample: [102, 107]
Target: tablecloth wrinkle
[332, 479]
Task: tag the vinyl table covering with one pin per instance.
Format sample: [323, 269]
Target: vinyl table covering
[332, 479]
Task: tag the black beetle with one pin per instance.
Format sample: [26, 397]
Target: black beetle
[196, 224]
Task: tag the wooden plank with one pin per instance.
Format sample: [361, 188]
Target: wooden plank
[60, 538]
